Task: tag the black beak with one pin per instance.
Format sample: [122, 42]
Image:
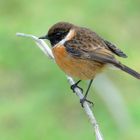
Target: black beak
[44, 37]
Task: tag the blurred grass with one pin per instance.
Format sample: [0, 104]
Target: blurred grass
[31, 108]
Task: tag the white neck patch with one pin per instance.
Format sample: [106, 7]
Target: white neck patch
[69, 36]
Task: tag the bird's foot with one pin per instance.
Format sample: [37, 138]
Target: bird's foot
[85, 100]
[76, 86]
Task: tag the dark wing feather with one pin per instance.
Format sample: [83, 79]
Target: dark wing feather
[101, 55]
[114, 49]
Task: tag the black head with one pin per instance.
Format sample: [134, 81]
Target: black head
[58, 32]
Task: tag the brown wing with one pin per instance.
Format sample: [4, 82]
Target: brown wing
[101, 55]
[88, 45]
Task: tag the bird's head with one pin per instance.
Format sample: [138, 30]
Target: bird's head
[57, 32]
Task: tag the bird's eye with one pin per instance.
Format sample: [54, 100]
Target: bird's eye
[58, 34]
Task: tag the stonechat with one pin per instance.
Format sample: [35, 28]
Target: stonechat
[82, 53]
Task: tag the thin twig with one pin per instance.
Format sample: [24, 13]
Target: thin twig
[44, 47]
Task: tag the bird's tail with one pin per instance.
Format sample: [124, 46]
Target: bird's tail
[128, 70]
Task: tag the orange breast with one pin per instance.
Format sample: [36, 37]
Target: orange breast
[82, 69]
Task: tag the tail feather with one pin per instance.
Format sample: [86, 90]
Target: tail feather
[128, 70]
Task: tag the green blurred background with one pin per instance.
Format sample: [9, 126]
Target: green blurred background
[35, 100]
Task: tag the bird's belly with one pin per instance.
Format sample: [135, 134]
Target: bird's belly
[79, 68]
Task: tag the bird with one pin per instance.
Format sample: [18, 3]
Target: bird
[81, 53]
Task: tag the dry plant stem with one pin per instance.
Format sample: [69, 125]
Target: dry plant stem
[44, 47]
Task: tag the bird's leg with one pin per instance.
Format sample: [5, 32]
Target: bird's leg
[85, 96]
[76, 86]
